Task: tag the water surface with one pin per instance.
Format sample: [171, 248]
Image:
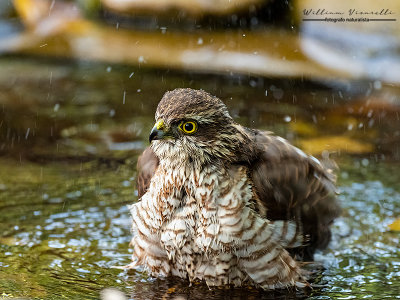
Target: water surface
[70, 134]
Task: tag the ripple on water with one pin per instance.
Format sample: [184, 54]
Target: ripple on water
[364, 257]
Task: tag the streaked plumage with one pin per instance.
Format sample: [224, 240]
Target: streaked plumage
[226, 203]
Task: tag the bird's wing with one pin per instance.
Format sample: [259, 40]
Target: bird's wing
[146, 167]
[294, 186]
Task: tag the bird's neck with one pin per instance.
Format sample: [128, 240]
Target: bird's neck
[174, 157]
[186, 166]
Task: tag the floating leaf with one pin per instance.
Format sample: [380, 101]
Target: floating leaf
[9, 241]
[395, 226]
[171, 290]
[31, 12]
[65, 33]
[316, 146]
[303, 128]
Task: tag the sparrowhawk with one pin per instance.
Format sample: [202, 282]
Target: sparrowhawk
[227, 204]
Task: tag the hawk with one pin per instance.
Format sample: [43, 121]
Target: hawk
[227, 204]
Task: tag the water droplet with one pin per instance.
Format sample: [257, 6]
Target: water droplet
[371, 122]
[27, 133]
[287, 119]
[365, 162]
[314, 118]
[277, 93]
[126, 183]
[254, 21]
[56, 244]
[377, 84]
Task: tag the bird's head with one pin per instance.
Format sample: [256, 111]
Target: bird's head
[191, 125]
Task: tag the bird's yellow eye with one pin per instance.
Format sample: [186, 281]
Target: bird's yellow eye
[188, 127]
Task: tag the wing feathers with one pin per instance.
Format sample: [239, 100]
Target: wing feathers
[146, 167]
[294, 186]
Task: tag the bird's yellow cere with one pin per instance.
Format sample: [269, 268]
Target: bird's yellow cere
[159, 125]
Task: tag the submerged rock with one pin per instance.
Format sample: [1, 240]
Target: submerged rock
[64, 33]
[322, 50]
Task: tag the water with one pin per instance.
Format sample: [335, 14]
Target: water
[70, 134]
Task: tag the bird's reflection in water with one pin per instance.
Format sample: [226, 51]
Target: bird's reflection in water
[174, 288]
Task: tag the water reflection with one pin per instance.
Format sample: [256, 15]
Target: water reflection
[178, 289]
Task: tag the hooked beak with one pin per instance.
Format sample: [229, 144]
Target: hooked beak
[157, 133]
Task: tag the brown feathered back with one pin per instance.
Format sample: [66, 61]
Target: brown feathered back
[295, 186]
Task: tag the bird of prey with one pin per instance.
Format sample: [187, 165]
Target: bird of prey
[227, 204]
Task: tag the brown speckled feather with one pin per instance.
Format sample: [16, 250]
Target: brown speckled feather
[146, 167]
[295, 186]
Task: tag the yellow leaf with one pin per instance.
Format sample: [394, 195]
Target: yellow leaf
[171, 290]
[303, 128]
[9, 241]
[395, 226]
[31, 11]
[316, 146]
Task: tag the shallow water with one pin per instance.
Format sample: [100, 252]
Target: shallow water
[70, 133]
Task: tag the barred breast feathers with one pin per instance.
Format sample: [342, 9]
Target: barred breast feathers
[201, 225]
